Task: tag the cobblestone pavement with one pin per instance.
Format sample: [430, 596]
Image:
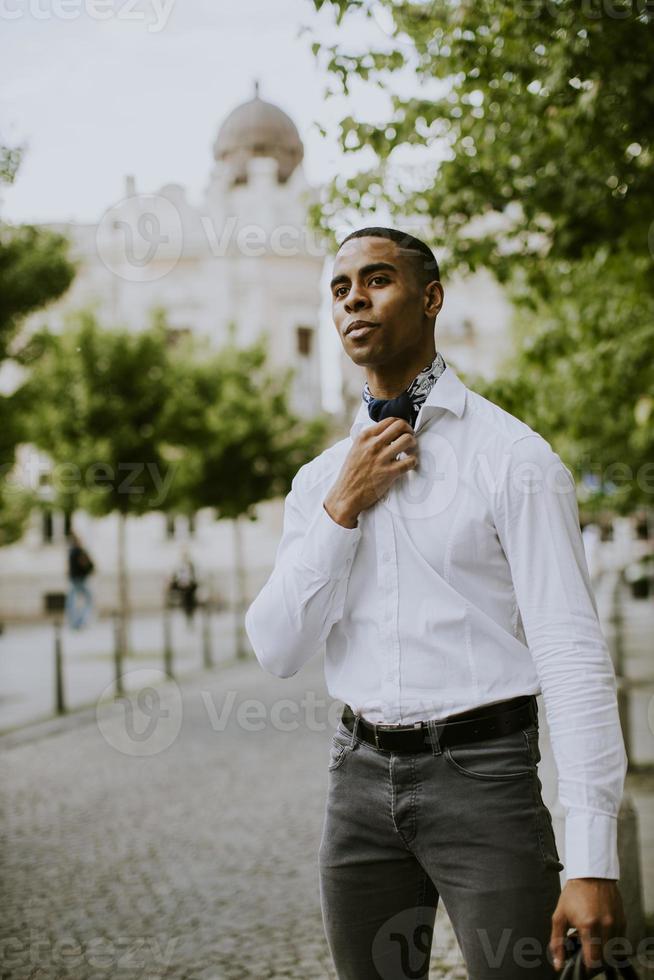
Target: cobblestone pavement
[172, 839]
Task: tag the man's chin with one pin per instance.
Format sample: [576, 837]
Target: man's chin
[366, 358]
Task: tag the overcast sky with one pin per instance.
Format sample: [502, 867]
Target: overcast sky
[102, 88]
[99, 89]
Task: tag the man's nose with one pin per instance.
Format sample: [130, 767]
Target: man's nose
[356, 301]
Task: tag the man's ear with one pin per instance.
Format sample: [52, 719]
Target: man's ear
[433, 299]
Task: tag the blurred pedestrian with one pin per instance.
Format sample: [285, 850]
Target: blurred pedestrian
[184, 582]
[79, 601]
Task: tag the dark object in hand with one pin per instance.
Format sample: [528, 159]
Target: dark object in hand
[574, 968]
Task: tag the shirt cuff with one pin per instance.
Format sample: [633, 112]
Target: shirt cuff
[328, 548]
[591, 846]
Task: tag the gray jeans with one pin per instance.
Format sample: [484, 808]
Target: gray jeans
[466, 824]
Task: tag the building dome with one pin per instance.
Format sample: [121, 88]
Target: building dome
[258, 129]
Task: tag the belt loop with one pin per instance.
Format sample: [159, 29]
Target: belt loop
[355, 724]
[433, 728]
[534, 709]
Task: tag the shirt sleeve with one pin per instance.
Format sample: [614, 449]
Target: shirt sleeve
[292, 616]
[537, 521]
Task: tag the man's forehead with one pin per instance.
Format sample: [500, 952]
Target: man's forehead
[360, 251]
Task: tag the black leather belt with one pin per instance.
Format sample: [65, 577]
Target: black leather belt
[488, 721]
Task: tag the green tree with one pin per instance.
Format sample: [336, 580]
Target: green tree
[35, 270]
[535, 136]
[101, 402]
[584, 377]
[538, 117]
[244, 442]
[134, 422]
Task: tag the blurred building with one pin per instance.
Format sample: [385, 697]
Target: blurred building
[242, 259]
[243, 256]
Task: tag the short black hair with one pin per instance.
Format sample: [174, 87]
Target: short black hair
[427, 267]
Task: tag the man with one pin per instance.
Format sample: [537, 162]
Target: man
[437, 553]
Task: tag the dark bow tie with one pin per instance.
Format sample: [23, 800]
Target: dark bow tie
[400, 407]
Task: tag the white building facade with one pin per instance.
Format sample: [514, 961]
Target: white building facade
[242, 260]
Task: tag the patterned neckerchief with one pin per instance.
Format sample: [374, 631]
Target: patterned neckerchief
[419, 387]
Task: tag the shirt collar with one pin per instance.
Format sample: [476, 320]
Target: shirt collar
[449, 393]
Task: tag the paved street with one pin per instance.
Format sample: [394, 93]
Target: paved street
[198, 861]
[176, 835]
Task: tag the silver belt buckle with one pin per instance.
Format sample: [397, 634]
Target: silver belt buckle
[383, 728]
[394, 728]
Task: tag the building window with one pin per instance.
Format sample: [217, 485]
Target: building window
[55, 525]
[304, 341]
[180, 526]
[175, 334]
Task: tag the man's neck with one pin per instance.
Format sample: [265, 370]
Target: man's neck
[390, 380]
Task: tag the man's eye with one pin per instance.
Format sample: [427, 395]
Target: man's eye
[337, 291]
[379, 278]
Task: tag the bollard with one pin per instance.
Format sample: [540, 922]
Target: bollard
[118, 655]
[630, 884]
[55, 605]
[206, 636]
[60, 701]
[168, 642]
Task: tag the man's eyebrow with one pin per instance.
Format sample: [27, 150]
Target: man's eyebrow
[365, 271]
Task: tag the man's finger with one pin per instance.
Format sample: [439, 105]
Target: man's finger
[592, 946]
[556, 943]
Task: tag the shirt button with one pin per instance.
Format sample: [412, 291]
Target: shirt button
[385, 556]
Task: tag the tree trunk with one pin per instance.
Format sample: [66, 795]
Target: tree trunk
[123, 588]
[239, 588]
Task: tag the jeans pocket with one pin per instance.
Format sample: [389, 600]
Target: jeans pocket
[338, 752]
[505, 757]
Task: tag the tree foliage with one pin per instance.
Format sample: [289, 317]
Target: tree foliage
[584, 378]
[35, 270]
[135, 421]
[99, 404]
[535, 127]
[244, 441]
[541, 117]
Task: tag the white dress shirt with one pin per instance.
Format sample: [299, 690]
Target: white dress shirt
[465, 584]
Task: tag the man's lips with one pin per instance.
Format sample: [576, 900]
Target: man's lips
[360, 326]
